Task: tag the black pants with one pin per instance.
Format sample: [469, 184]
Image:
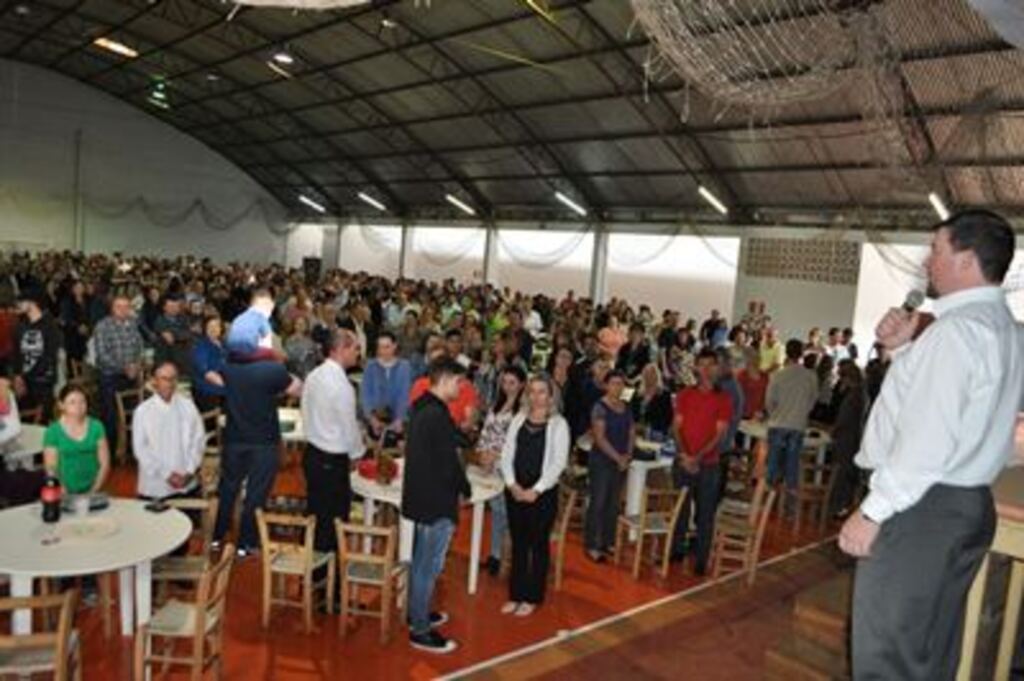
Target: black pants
[704, 493]
[603, 504]
[205, 403]
[38, 395]
[530, 527]
[256, 466]
[909, 595]
[110, 385]
[328, 493]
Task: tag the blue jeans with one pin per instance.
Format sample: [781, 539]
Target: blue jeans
[703, 494]
[499, 524]
[784, 447]
[429, 550]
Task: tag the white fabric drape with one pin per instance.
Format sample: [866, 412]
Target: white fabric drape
[537, 260]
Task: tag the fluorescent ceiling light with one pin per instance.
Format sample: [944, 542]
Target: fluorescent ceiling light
[712, 199]
[939, 206]
[575, 207]
[388, 23]
[283, 57]
[372, 201]
[460, 204]
[115, 47]
[278, 70]
[312, 204]
[158, 102]
[159, 94]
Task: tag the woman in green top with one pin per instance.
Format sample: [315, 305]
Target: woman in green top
[75, 445]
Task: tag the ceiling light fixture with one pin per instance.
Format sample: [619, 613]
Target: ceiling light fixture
[282, 57]
[212, 77]
[575, 207]
[22, 10]
[939, 206]
[388, 22]
[278, 70]
[159, 103]
[460, 204]
[372, 201]
[312, 204]
[712, 199]
[159, 94]
[115, 47]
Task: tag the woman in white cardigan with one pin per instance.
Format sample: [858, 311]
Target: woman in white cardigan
[532, 460]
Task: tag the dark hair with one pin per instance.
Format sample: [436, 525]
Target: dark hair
[706, 353]
[164, 362]
[442, 367]
[452, 333]
[387, 334]
[848, 332]
[810, 360]
[500, 402]
[794, 349]
[72, 387]
[833, 330]
[637, 326]
[988, 235]
[615, 373]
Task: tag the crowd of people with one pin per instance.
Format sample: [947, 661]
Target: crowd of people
[444, 368]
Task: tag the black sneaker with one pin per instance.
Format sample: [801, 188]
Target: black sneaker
[436, 619]
[432, 642]
[243, 552]
[492, 565]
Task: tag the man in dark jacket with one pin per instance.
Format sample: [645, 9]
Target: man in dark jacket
[432, 482]
[37, 341]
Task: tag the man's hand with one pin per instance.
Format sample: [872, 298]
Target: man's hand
[858, 535]
[168, 337]
[528, 496]
[689, 464]
[897, 328]
[175, 481]
[623, 461]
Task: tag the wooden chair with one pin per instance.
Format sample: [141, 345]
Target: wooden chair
[566, 507]
[104, 587]
[190, 568]
[211, 424]
[658, 517]
[201, 622]
[367, 557]
[739, 531]
[57, 653]
[813, 492]
[292, 555]
[126, 402]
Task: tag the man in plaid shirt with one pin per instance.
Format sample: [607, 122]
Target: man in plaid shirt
[118, 357]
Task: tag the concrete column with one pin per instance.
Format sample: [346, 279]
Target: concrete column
[599, 265]
[490, 275]
[403, 251]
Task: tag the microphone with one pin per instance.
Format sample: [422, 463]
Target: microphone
[914, 300]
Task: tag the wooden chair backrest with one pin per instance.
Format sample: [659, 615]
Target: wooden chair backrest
[126, 401]
[366, 544]
[59, 640]
[299, 528]
[203, 532]
[566, 506]
[212, 594]
[211, 425]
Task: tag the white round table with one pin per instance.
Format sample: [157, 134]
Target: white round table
[124, 537]
[814, 438]
[484, 488]
[23, 450]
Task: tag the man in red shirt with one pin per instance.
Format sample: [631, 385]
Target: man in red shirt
[701, 421]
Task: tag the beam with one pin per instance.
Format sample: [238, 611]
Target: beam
[58, 16]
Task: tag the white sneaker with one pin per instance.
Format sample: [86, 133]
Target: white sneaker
[509, 608]
[525, 609]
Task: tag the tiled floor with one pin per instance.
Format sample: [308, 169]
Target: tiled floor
[284, 652]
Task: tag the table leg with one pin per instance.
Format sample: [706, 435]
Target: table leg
[21, 587]
[1014, 596]
[972, 622]
[406, 531]
[476, 539]
[820, 461]
[126, 599]
[143, 593]
[635, 481]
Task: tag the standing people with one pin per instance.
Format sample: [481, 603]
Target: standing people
[75, 447]
[701, 423]
[252, 443]
[37, 341]
[535, 454]
[168, 439]
[614, 434]
[846, 434]
[433, 480]
[333, 438]
[792, 393]
[939, 434]
[119, 347]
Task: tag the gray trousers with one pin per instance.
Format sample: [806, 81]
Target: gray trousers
[909, 595]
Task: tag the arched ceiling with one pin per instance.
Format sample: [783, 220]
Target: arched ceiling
[501, 105]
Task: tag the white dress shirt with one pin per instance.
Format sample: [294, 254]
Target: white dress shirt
[167, 437]
[948, 405]
[329, 411]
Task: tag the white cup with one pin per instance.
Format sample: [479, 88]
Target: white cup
[81, 504]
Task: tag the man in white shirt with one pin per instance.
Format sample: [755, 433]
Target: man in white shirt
[168, 439]
[333, 437]
[940, 432]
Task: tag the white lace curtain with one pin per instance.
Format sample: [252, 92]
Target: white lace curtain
[538, 260]
[443, 252]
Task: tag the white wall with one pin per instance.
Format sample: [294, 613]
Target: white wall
[144, 186]
[370, 248]
[687, 273]
[438, 253]
[550, 262]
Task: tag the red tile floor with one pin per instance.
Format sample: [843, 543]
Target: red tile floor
[285, 652]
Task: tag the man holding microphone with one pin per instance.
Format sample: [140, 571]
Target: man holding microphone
[939, 434]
